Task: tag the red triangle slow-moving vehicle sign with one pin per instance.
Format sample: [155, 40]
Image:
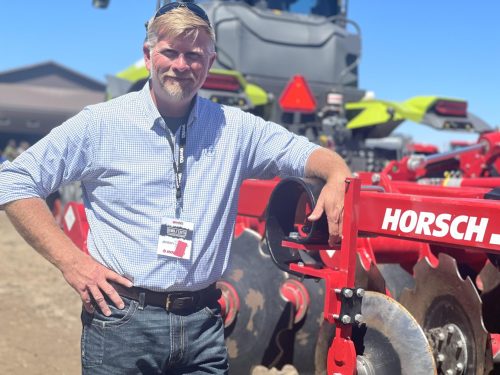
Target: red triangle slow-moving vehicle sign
[297, 96]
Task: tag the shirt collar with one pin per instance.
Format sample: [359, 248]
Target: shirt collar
[153, 115]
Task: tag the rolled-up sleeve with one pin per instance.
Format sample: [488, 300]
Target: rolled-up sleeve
[63, 156]
[275, 151]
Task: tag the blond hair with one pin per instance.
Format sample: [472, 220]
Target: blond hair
[176, 22]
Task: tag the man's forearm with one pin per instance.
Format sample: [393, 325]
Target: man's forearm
[327, 165]
[33, 220]
[90, 279]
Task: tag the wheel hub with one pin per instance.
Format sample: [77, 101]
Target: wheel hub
[449, 310]
[449, 347]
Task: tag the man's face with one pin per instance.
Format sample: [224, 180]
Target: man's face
[178, 67]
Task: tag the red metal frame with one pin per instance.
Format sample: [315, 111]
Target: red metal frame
[473, 161]
[405, 218]
[340, 274]
[465, 223]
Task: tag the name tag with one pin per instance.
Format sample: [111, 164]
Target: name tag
[176, 238]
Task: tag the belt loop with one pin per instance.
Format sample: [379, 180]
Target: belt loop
[142, 299]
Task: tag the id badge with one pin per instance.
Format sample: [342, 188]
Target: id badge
[176, 238]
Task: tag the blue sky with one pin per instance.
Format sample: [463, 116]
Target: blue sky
[426, 47]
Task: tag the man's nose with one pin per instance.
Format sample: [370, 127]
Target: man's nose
[180, 63]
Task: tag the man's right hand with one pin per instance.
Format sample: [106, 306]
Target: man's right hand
[91, 281]
[34, 221]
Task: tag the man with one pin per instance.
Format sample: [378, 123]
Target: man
[160, 171]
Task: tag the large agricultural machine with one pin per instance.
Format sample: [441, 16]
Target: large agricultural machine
[301, 71]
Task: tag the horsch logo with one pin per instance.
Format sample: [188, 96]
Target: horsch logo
[461, 227]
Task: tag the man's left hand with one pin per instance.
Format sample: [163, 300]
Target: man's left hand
[331, 202]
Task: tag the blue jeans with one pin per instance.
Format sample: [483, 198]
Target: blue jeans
[149, 340]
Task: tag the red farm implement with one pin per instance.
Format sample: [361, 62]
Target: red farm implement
[413, 288]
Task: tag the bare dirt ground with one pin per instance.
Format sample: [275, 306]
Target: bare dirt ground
[39, 313]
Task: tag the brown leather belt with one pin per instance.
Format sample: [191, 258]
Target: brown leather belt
[171, 301]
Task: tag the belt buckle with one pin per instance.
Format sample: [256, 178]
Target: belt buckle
[169, 301]
[172, 297]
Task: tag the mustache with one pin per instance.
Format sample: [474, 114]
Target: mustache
[178, 76]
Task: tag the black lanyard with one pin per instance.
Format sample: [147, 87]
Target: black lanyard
[178, 168]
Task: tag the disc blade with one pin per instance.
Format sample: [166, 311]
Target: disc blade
[393, 342]
[390, 341]
[490, 278]
[449, 310]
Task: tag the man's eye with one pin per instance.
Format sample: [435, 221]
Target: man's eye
[169, 53]
[193, 56]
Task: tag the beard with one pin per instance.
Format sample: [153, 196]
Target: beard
[177, 88]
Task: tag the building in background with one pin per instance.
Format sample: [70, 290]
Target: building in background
[36, 98]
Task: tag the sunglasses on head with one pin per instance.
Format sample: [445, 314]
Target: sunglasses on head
[197, 10]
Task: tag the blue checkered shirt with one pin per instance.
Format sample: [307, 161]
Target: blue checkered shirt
[120, 153]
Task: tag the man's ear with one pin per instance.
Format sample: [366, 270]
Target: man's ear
[147, 55]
